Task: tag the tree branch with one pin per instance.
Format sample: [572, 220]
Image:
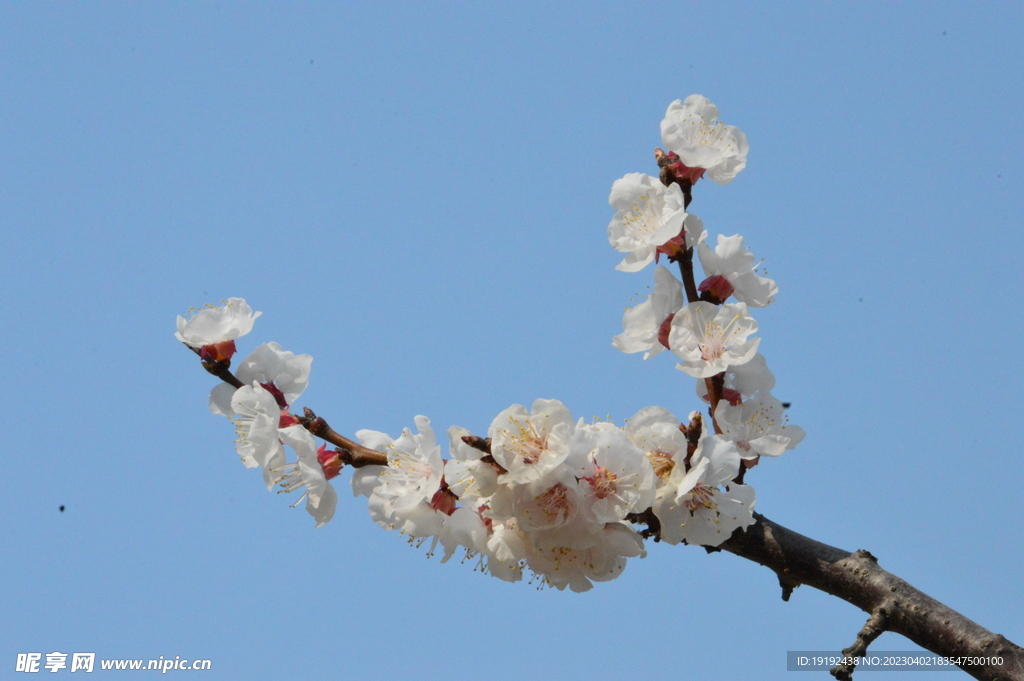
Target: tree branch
[894, 605]
[353, 454]
[857, 578]
[871, 630]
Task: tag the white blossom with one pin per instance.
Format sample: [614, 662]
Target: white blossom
[615, 478]
[320, 495]
[214, 324]
[644, 325]
[404, 492]
[737, 265]
[655, 431]
[551, 502]
[530, 444]
[647, 215]
[576, 568]
[709, 339]
[743, 380]
[692, 130]
[257, 416]
[701, 512]
[276, 369]
[758, 426]
[407, 494]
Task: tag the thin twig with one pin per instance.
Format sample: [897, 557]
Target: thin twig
[685, 261]
[355, 454]
[351, 453]
[871, 630]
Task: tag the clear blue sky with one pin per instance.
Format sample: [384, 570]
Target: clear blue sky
[416, 195]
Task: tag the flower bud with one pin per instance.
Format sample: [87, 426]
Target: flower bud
[674, 170]
[218, 353]
[715, 289]
[330, 461]
[674, 248]
[276, 392]
[444, 501]
[287, 419]
[665, 329]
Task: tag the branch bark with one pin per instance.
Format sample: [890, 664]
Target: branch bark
[857, 578]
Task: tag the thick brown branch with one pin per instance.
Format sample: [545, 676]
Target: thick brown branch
[856, 578]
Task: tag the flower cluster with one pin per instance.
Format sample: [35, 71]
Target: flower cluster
[543, 493]
[555, 496]
[712, 338]
[266, 383]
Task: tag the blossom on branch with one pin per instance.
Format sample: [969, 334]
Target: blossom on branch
[648, 214]
[578, 567]
[615, 478]
[257, 417]
[742, 381]
[645, 327]
[706, 506]
[542, 492]
[529, 445]
[308, 471]
[758, 426]
[655, 431]
[737, 265]
[271, 364]
[284, 374]
[709, 339]
[408, 495]
[213, 329]
[692, 130]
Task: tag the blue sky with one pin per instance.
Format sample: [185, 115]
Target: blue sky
[416, 195]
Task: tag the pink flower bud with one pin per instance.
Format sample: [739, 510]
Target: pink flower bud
[674, 170]
[329, 460]
[674, 248]
[287, 419]
[443, 501]
[665, 329]
[715, 289]
[276, 392]
[217, 353]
